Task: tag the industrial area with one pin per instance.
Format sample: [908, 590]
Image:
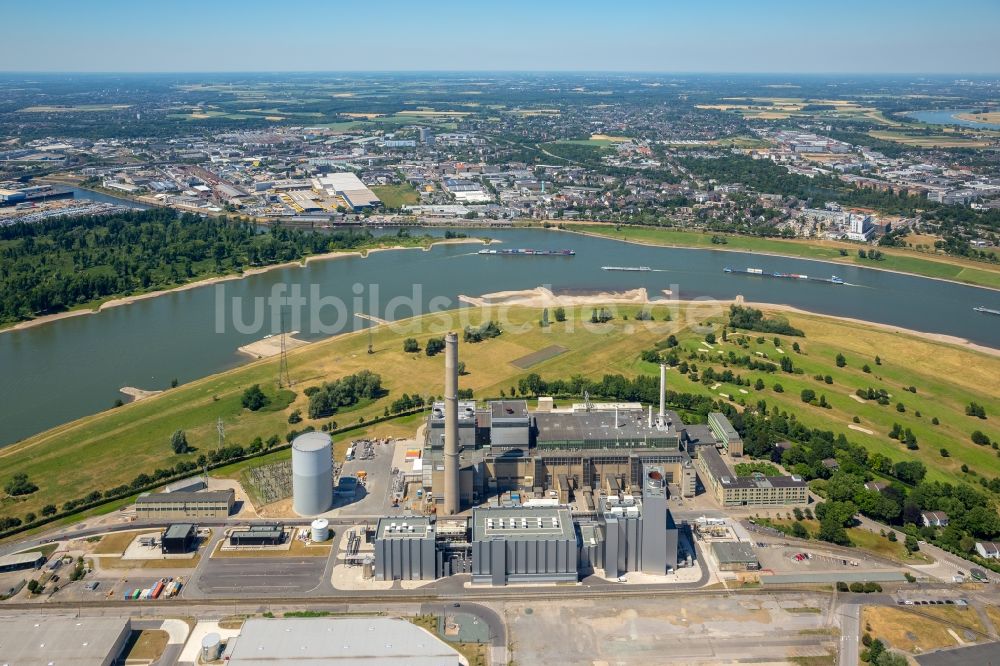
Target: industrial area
[449, 537]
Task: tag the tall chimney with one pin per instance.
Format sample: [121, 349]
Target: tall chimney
[663, 392]
[452, 504]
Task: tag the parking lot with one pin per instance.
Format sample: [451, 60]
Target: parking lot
[260, 576]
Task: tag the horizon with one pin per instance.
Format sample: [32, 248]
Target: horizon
[643, 37]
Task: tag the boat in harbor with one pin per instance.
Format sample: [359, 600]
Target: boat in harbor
[642, 269]
[833, 279]
[528, 252]
[986, 310]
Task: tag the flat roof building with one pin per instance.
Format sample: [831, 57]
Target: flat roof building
[735, 556]
[179, 538]
[373, 641]
[755, 490]
[405, 549]
[184, 504]
[521, 544]
[258, 535]
[55, 641]
[725, 433]
[349, 187]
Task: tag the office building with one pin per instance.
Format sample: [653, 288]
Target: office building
[755, 490]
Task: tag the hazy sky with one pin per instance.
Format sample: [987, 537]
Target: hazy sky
[960, 36]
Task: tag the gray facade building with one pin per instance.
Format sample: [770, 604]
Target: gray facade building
[466, 425]
[510, 425]
[405, 549]
[639, 535]
[523, 545]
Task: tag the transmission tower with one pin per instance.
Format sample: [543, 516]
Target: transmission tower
[283, 377]
[221, 428]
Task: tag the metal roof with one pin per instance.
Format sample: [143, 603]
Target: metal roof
[374, 641]
[187, 497]
[60, 641]
[21, 558]
[179, 531]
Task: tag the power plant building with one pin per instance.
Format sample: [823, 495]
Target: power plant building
[639, 534]
[182, 505]
[523, 545]
[312, 473]
[258, 535]
[725, 433]
[405, 549]
[179, 538]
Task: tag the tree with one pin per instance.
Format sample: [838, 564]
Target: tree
[799, 530]
[778, 388]
[179, 442]
[33, 586]
[710, 338]
[49, 510]
[411, 346]
[975, 409]
[808, 395]
[841, 361]
[911, 543]
[796, 348]
[254, 398]
[545, 318]
[461, 368]
[560, 314]
[980, 438]
[759, 384]
[434, 346]
[19, 484]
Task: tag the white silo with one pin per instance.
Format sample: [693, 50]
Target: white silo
[320, 529]
[312, 473]
[211, 647]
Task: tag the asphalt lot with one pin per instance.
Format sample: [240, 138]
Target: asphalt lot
[260, 576]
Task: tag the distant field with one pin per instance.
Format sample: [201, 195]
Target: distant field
[895, 259]
[396, 196]
[992, 117]
[950, 140]
[107, 449]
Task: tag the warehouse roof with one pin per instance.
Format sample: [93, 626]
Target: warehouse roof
[375, 641]
[58, 641]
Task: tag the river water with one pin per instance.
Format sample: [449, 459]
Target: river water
[73, 367]
[949, 117]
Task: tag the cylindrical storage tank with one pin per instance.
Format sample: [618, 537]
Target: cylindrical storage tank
[211, 647]
[320, 529]
[312, 473]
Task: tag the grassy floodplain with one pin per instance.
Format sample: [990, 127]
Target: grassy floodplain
[107, 449]
[901, 260]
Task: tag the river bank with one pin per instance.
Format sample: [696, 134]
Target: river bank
[541, 297]
[986, 268]
[128, 300]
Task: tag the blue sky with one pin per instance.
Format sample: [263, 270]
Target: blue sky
[666, 36]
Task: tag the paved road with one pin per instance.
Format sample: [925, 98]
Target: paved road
[850, 633]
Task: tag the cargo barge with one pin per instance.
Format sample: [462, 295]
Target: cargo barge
[642, 269]
[527, 252]
[986, 310]
[833, 279]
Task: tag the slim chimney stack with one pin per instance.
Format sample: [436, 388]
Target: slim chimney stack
[663, 393]
[452, 504]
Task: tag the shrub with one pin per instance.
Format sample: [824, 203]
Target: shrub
[254, 398]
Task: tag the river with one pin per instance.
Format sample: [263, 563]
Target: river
[72, 367]
[949, 117]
